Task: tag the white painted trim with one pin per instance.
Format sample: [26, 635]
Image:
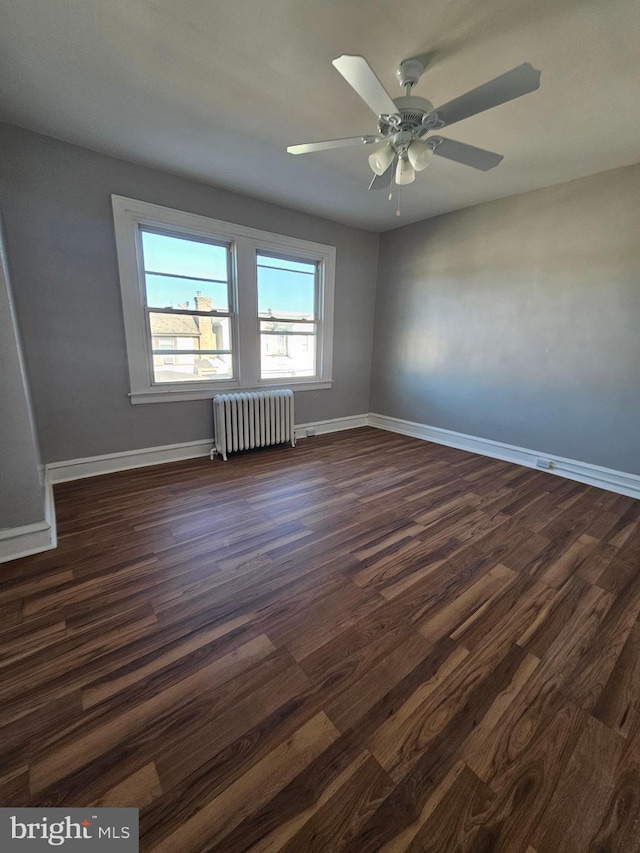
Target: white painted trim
[93, 466]
[331, 425]
[207, 394]
[583, 472]
[30, 539]
[572, 469]
[8, 533]
[244, 242]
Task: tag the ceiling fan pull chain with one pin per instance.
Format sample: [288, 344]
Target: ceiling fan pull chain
[398, 207]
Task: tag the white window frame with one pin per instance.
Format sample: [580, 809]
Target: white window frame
[245, 243]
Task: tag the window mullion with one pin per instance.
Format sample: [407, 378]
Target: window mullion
[248, 345]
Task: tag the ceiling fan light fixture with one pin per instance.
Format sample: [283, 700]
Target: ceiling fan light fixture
[420, 154]
[405, 173]
[381, 159]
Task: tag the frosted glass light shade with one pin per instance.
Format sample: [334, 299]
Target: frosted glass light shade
[419, 154]
[381, 159]
[404, 172]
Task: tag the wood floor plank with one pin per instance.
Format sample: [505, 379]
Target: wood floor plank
[80, 750]
[272, 827]
[595, 666]
[212, 823]
[196, 746]
[125, 758]
[143, 787]
[553, 617]
[31, 636]
[379, 683]
[619, 703]
[583, 792]
[367, 643]
[619, 829]
[459, 822]
[569, 562]
[466, 604]
[405, 803]
[203, 775]
[531, 773]
[340, 818]
[415, 719]
[14, 788]
[400, 842]
[102, 688]
[478, 746]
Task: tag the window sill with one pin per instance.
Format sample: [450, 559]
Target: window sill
[180, 395]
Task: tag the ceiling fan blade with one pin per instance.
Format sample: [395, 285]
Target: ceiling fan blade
[512, 84]
[309, 147]
[469, 155]
[361, 77]
[383, 181]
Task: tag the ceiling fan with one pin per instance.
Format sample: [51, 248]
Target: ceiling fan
[404, 124]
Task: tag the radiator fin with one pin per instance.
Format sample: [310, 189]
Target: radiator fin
[247, 420]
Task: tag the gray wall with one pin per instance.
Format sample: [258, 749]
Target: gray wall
[55, 199]
[519, 321]
[21, 490]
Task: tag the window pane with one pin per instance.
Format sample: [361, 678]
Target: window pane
[287, 350]
[192, 368]
[175, 332]
[174, 292]
[286, 291]
[188, 331]
[183, 257]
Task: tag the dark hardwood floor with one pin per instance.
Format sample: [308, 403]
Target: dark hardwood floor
[367, 643]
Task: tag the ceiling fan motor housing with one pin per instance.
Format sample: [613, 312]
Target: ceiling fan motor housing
[414, 113]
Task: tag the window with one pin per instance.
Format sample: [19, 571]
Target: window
[287, 291]
[212, 306]
[200, 326]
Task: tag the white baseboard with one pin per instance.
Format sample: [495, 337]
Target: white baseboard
[30, 539]
[331, 425]
[93, 466]
[583, 472]
[108, 463]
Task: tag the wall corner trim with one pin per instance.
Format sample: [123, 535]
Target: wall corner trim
[30, 539]
[583, 472]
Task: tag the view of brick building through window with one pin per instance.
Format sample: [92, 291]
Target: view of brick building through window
[171, 332]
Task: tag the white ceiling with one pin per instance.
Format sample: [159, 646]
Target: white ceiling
[216, 89]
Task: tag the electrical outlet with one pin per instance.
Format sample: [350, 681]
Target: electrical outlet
[544, 463]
